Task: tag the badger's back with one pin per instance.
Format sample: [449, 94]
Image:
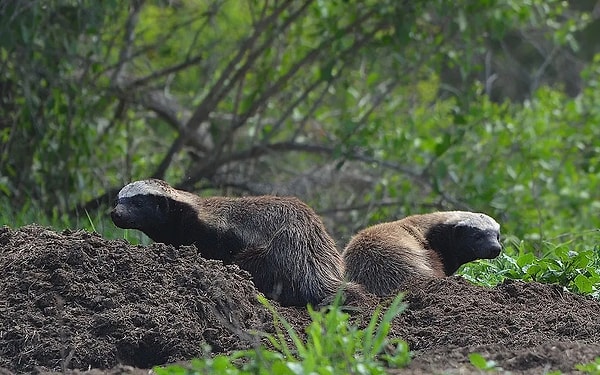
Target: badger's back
[288, 250]
[387, 256]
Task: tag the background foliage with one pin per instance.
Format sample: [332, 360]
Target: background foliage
[367, 110]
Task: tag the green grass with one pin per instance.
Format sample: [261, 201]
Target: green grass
[333, 345]
[98, 221]
[592, 368]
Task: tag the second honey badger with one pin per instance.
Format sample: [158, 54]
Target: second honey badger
[281, 241]
[386, 256]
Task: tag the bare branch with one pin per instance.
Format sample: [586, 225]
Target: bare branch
[117, 114]
[128, 38]
[257, 151]
[209, 168]
[307, 59]
[267, 43]
[145, 48]
[164, 165]
[225, 83]
[309, 114]
[287, 113]
[167, 109]
[163, 72]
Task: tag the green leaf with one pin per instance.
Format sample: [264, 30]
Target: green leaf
[170, 370]
[478, 361]
[221, 363]
[526, 259]
[583, 284]
[533, 270]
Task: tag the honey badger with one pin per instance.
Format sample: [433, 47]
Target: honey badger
[385, 256]
[281, 241]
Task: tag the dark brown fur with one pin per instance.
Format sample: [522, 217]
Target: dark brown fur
[280, 241]
[387, 256]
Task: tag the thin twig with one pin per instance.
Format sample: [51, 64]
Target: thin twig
[128, 38]
[163, 72]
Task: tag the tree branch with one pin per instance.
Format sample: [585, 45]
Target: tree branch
[261, 150]
[225, 83]
[307, 59]
[128, 38]
[163, 72]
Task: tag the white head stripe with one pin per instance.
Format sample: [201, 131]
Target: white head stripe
[145, 187]
[473, 219]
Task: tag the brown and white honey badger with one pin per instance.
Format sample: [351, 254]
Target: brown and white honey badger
[387, 256]
[280, 241]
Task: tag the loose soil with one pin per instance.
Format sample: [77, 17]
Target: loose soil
[73, 302]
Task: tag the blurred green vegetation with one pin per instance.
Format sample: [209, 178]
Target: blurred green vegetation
[368, 110]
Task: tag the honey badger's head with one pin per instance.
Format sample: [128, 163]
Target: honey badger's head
[461, 237]
[143, 205]
[478, 233]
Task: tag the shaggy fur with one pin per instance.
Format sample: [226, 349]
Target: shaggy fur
[280, 241]
[384, 257]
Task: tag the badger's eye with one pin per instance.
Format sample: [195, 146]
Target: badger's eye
[479, 236]
[137, 203]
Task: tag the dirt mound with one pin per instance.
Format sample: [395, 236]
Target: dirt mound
[522, 326]
[76, 300]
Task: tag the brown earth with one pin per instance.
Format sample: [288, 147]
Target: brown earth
[74, 300]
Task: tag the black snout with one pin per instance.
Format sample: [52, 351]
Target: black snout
[491, 250]
[495, 250]
[118, 217]
[488, 245]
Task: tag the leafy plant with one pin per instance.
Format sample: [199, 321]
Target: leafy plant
[573, 267]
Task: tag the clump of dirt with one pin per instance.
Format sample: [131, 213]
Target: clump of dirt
[74, 300]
